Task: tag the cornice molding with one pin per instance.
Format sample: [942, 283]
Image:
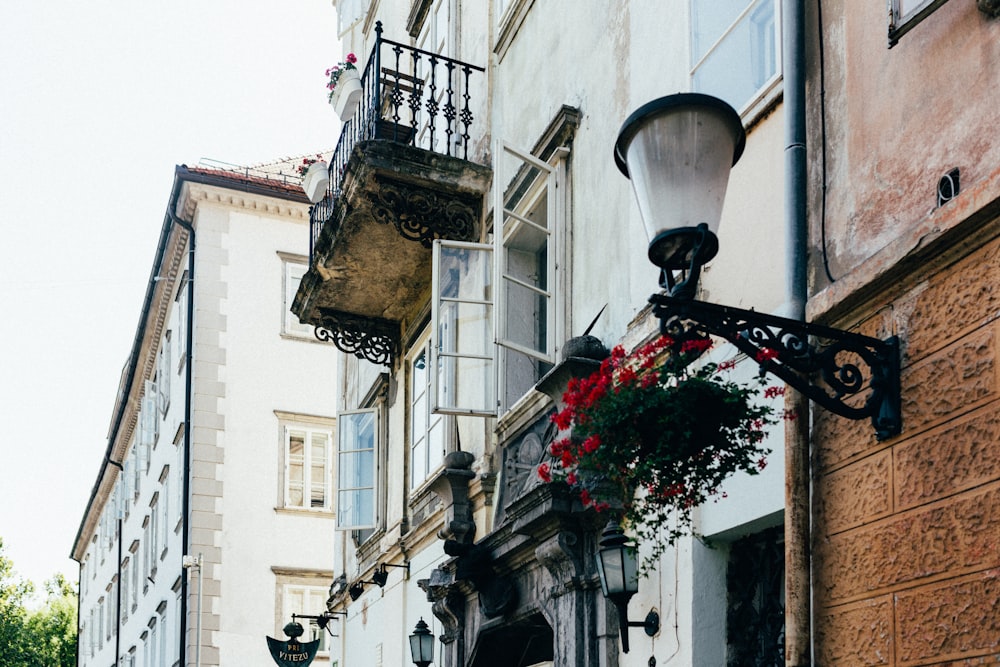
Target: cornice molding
[194, 194]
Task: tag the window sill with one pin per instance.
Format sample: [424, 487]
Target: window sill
[305, 511]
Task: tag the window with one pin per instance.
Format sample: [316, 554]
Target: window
[290, 325]
[437, 36]
[905, 14]
[125, 582]
[181, 306]
[153, 535]
[165, 510]
[149, 423]
[308, 477]
[153, 646]
[471, 375]
[163, 635]
[109, 608]
[310, 600]
[755, 617]
[163, 373]
[429, 432]
[179, 489]
[462, 379]
[527, 244]
[735, 49]
[134, 588]
[357, 441]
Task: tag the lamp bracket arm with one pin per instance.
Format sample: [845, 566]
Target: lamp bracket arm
[830, 366]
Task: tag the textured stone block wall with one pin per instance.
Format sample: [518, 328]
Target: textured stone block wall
[907, 532]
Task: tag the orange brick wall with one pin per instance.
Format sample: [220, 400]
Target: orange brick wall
[906, 538]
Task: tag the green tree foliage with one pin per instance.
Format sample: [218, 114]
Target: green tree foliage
[41, 638]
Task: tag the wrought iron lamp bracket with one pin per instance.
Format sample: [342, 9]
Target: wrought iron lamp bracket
[799, 353]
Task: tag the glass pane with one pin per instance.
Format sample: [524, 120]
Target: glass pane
[466, 384]
[356, 470]
[464, 273]
[709, 19]
[465, 328]
[526, 320]
[418, 472]
[296, 468]
[744, 61]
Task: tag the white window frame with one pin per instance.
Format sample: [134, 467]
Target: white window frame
[293, 270]
[346, 449]
[752, 103]
[307, 482]
[163, 373]
[550, 182]
[420, 399]
[445, 358]
[181, 304]
[904, 15]
[314, 601]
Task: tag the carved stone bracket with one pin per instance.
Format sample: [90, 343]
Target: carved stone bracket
[448, 602]
[421, 215]
[561, 556]
[452, 485]
[367, 338]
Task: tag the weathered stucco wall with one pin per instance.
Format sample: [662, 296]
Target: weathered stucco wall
[895, 121]
[906, 559]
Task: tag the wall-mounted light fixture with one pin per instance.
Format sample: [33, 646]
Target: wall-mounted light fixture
[381, 574]
[322, 620]
[422, 645]
[677, 151]
[618, 568]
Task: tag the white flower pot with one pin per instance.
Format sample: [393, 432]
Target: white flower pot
[316, 180]
[346, 94]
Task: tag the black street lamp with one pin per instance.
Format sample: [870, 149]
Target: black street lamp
[677, 151]
[618, 568]
[422, 645]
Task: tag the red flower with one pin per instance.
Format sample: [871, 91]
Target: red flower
[563, 419]
[766, 354]
[545, 473]
[696, 345]
[591, 444]
[571, 479]
[351, 58]
[585, 498]
[772, 392]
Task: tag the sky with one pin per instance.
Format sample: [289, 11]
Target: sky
[98, 103]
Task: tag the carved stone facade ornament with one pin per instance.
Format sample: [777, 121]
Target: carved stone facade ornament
[422, 215]
[374, 340]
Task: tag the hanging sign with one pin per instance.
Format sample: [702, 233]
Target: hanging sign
[292, 653]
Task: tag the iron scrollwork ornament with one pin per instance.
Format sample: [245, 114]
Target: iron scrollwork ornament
[423, 216]
[845, 363]
[366, 338]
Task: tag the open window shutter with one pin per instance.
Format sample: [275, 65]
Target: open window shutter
[463, 376]
[357, 482]
[524, 235]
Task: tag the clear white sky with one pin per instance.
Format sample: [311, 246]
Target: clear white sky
[98, 102]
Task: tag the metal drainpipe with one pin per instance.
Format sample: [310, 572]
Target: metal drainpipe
[186, 473]
[797, 485]
[118, 569]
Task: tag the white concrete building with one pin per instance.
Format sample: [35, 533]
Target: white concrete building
[213, 507]
[491, 126]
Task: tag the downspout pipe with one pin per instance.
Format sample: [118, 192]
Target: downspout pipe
[118, 569]
[798, 642]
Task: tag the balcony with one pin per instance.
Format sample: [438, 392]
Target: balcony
[400, 177]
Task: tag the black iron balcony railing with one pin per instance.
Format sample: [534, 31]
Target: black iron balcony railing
[409, 96]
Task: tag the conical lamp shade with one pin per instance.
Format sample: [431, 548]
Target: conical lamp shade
[678, 151]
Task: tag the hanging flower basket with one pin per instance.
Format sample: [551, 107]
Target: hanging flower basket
[654, 434]
[345, 87]
[316, 180]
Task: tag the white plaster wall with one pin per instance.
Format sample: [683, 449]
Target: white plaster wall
[263, 372]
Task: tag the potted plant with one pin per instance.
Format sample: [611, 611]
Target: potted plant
[657, 435]
[315, 177]
[345, 87]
